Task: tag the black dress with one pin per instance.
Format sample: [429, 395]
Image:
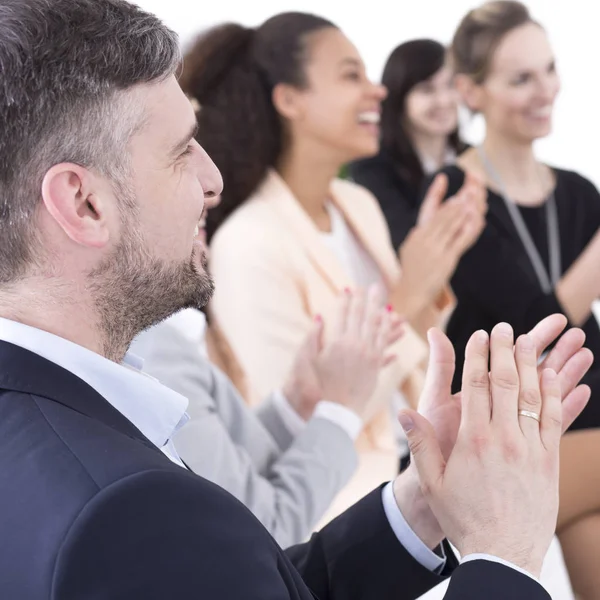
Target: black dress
[398, 198]
[495, 280]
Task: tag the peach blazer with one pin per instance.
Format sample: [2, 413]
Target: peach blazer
[273, 275]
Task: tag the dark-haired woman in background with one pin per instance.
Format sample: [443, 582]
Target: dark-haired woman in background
[419, 132]
[281, 109]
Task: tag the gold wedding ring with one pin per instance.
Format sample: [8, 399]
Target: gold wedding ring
[530, 414]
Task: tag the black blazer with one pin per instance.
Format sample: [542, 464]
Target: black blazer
[398, 198]
[91, 510]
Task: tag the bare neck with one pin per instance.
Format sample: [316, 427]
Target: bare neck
[308, 173]
[526, 181]
[59, 310]
[514, 162]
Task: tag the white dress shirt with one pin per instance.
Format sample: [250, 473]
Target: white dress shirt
[158, 412]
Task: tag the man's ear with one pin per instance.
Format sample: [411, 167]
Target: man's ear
[73, 198]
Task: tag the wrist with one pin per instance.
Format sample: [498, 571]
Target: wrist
[303, 409]
[509, 554]
[407, 301]
[415, 509]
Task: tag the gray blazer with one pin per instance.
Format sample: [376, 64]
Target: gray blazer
[287, 483]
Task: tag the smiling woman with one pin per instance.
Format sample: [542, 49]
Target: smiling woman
[540, 251]
[281, 109]
[419, 132]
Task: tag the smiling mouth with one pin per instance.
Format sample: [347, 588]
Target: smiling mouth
[369, 117]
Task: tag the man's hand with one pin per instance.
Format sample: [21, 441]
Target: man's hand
[497, 493]
[344, 369]
[568, 358]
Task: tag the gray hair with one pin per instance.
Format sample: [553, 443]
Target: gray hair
[65, 69]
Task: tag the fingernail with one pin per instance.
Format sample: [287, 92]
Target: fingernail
[318, 318]
[406, 422]
[504, 329]
[347, 290]
[389, 308]
[482, 337]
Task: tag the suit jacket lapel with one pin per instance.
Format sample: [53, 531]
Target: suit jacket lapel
[298, 223]
[26, 372]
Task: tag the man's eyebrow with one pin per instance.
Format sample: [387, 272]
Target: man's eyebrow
[181, 145]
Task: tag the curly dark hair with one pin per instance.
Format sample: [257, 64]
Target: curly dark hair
[409, 63]
[231, 71]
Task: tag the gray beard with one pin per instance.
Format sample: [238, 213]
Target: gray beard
[133, 290]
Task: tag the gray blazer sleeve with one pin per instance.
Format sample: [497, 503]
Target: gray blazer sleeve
[287, 486]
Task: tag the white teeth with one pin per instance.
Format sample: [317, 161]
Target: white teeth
[371, 116]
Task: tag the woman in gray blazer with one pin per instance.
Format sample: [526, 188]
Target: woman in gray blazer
[286, 468]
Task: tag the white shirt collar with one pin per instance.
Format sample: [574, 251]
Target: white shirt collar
[157, 411]
[430, 166]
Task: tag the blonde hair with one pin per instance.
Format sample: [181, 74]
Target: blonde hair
[480, 33]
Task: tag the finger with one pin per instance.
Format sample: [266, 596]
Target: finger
[383, 331]
[567, 346]
[551, 416]
[372, 315]
[504, 378]
[433, 199]
[315, 337]
[476, 194]
[424, 448]
[466, 235]
[574, 404]
[574, 370]
[546, 331]
[341, 314]
[389, 359]
[396, 329]
[356, 314]
[476, 409]
[530, 397]
[451, 218]
[440, 371]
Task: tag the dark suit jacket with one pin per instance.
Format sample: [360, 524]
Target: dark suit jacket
[91, 510]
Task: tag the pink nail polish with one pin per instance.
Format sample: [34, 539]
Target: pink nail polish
[389, 308]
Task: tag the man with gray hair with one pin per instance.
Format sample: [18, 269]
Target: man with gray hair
[102, 186]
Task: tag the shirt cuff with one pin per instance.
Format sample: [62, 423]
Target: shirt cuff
[407, 537]
[343, 417]
[495, 559]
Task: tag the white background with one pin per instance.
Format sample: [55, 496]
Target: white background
[377, 26]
